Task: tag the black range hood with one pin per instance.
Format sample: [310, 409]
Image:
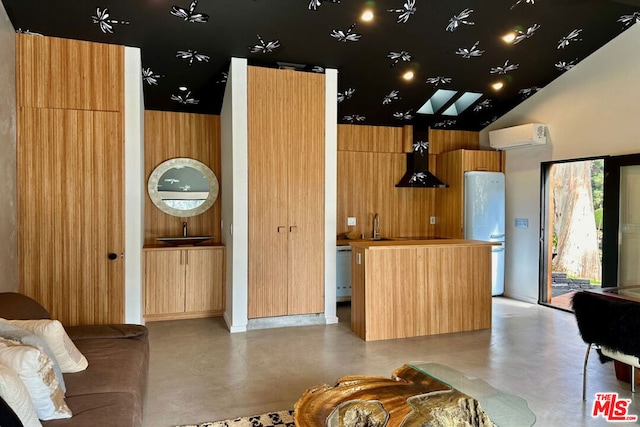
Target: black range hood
[417, 174]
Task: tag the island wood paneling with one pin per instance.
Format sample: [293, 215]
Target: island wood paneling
[410, 290]
[70, 74]
[441, 140]
[452, 166]
[286, 192]
[168, 135]
[71, 213]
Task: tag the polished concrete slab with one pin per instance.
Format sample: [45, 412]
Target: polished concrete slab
[200, 372]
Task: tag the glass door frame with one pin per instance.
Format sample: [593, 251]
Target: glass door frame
[546, 231]
[611, 215]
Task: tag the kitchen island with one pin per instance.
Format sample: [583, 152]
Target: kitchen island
[411, 288]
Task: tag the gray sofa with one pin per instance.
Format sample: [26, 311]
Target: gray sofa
[111, 391]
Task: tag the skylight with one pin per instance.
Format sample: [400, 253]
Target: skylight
[442, 97]
[437, 101]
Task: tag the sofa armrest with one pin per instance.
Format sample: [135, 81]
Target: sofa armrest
[16, 306]
[84, 332]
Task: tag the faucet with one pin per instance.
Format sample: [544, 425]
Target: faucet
[184, 229]
[376, 227]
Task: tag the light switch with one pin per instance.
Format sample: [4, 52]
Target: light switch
[351, 221]
[432, 220]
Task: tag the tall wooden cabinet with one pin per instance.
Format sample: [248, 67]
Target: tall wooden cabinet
[286, 111]
[450, 201]
[70, 158]
[182, 283]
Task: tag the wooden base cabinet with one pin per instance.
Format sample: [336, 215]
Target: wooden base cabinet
[181, 283]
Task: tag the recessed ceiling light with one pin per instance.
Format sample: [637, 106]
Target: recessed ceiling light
[509, 38]
[497, 86]
[367, 15]
[408, 75]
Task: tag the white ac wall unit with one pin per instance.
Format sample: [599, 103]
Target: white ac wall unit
[518, 136]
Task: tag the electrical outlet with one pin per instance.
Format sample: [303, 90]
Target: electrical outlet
[432, 220]
[351, 221]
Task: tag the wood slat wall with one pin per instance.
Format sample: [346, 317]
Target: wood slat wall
[441, 140]
[379, 139]
[366, 186]
[168, 135]
[70, 74]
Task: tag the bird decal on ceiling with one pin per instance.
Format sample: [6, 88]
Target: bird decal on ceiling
[189, 15]
[504, 69]
[399, 56]
[521, 35]
[102, 19]
[191, 55]
[569, 38]
[149, 77]
[392, 96]
[438, 80]
[346, 36]
[315, 4]
[347, 94]
[263, 47]
[408, 9]
[458, 19]
[473, 51]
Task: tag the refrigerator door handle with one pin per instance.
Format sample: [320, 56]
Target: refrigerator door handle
[497, 236]
[497, 249]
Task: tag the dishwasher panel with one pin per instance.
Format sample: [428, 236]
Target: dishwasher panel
[343, 273]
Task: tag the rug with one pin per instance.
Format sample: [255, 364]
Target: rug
[271, 419]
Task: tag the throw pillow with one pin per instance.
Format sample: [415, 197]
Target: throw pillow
[15, 394]
[15, 333]
[53, 333]
[35, 369]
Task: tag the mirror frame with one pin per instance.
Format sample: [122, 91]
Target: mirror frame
[154, 195]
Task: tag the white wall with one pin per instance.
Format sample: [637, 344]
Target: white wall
[235, 194]
[8, 208]
[591, 110]
[134, 183]
[330, 193]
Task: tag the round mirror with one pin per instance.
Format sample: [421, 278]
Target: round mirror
[183, 187]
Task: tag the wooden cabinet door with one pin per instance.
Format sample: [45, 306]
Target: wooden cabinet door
[164, 276]
[480, 160]
[305, 291]
[204, 280]
[71, 213]
[268, 192]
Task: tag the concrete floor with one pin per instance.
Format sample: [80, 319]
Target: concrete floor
[200, 372]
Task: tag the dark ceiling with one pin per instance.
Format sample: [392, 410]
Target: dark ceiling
[456, 45]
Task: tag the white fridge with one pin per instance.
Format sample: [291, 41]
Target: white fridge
[484, 218]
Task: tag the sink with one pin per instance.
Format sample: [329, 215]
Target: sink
[184, 240]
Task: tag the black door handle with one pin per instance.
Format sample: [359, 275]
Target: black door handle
[113, 256]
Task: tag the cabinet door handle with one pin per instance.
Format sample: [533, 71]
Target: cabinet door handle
[282, 229]
[293, 228]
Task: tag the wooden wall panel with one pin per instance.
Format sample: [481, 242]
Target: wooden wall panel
[168, 135]
[70, 74]
[366, 186]
[71, 213]
[380, 139]
[441, 140]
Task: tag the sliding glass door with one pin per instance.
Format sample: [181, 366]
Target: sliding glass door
[621, 236]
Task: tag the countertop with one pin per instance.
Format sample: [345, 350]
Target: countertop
[166, 246]
[372, 244]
